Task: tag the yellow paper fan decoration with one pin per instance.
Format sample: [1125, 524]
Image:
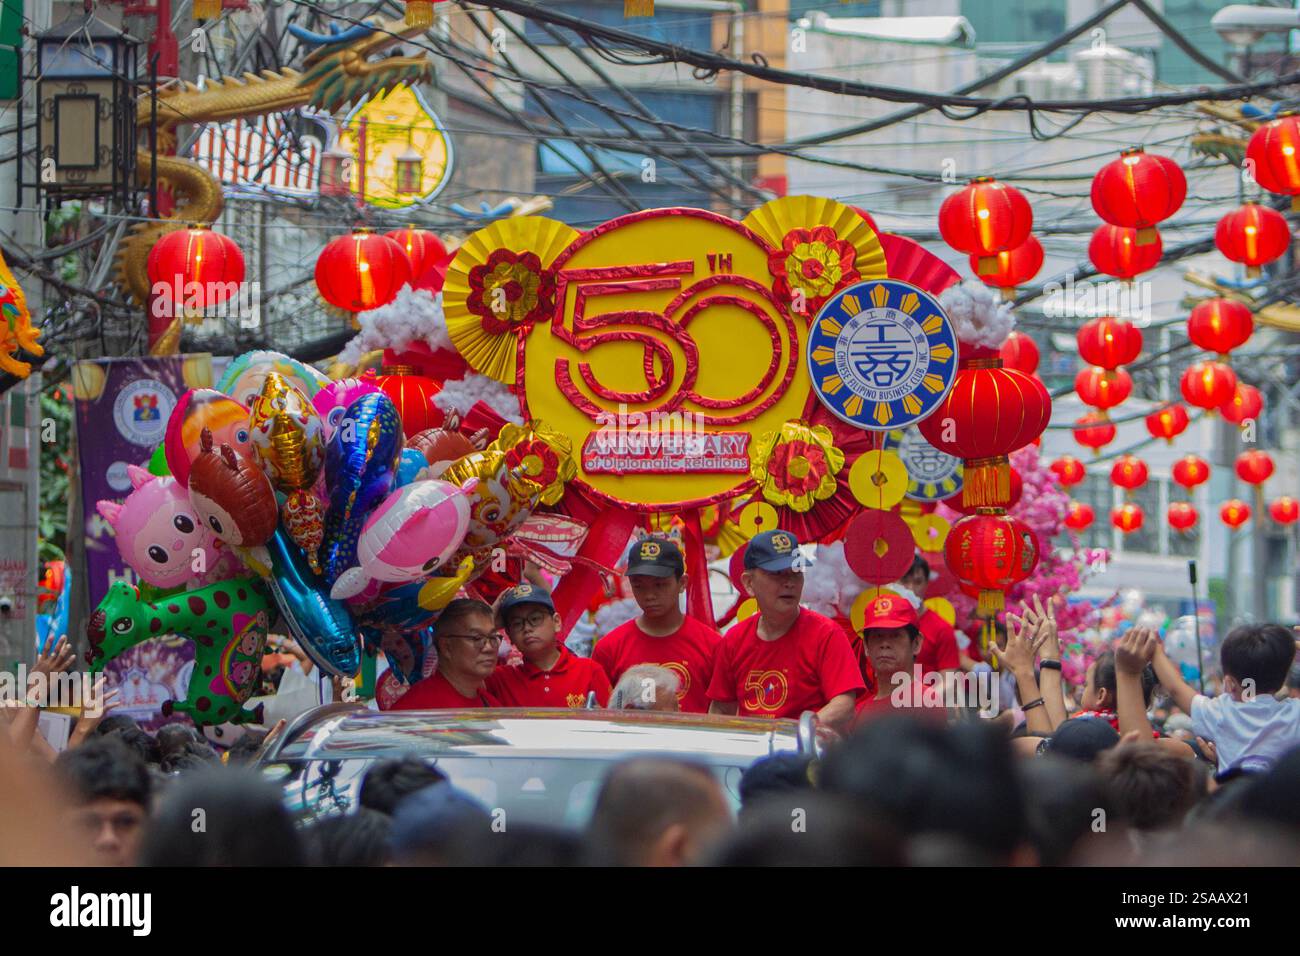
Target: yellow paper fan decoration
[941, 606]
[878, 479]
[499, 286]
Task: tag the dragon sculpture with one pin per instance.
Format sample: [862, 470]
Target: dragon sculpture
[334, 76]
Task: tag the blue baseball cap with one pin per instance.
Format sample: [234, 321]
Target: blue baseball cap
[522, 594]
[775, 550]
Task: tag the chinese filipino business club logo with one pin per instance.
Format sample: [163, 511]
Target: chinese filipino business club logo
[931, 474]
[882, 354]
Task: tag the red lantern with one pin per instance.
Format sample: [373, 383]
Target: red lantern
[1246, 403]
[1208, 384]
[996, 410]
[413, 396]
[1128, 517]
[985, 218]
[1020, 353]
[1253, 235]
[194, 268]
[361, 271]
[1079, 516]
[1138, 191]
[1115, 251]
[1190, 471]
[991, 552]
[1168, 423]
[1235, 513]
[1129, 472]
[1109, 342]
[423, 248]
[1182, 516]
[1094, 431]
[1014, 266]
[1219, 325]
[1069, 471]
[1284, 510]
[1254, 467]
[1274, 149]
[1101, 388]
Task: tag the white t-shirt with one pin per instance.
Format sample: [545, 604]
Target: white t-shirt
[1250, 733]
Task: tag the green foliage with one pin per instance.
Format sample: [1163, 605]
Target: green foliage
[55, 467]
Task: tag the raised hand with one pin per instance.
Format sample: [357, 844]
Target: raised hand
[1051, 644]
[1019, 652]
[55, 661]
[1136, 649]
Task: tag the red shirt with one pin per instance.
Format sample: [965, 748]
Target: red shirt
[688, 652]
[437, 693]
[913, 703]
[564, 685]
[938, 644]
[801, 670]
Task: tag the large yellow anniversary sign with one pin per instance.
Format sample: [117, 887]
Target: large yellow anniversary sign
[662, 342]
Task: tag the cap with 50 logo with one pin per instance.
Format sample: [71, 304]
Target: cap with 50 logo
[657, 557]
[775, 551]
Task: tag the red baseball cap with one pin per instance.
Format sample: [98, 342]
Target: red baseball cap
[888, 610]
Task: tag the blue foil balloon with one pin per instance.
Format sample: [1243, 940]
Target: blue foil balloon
[398, 609]
[360, 469]
[322, 626]
[406, 651]
[409, 466]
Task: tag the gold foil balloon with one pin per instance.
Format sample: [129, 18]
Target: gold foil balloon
[539, 459]
[497, 505]
[287, 435]
[304, 519]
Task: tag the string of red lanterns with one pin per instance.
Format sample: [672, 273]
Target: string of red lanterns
[1013, 267]
[1284, 510]
[985, 218]
[1079, 516]
[1272, 153]
[1128, 517]
[1139, 190]
[1181, 516]
[361, 271]
[1168, 423]
[1234, 513]
[1114, 251]
[1253, 235]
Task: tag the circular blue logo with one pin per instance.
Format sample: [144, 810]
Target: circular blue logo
[932, 475]
[882, 354]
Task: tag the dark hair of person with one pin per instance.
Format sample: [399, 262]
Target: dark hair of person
[919, 566]
[1104, 677]
[245, 749]
[1263, 653]
[1149, 788]
[1062, 798]
[457, 611]
[357, 839]
[816, 829]
[141, 742]
[190, 756]
[104, 768]
[641, 798]
[387, 782]
[115, 722]
[243, 823]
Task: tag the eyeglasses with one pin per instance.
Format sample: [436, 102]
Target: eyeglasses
[521, 624]
[480, 640]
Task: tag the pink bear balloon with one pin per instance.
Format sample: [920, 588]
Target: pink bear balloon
[161, 538]
[333, 400]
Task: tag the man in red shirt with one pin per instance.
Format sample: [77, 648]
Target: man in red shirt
[467, 643]
[662, 635]
[892, 640]
[785, 659]
[938, 639]
[550, 675]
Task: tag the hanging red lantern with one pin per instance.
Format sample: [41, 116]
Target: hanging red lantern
[1014, 266]
[1219, 325]
[1274, 149]
[194, 268]
[1208, 384]
[413, 396]
[1284, 510]
[1079, 516]
[1114, 251]
[1190, 471]
[423, 249]
[1235, 513]
[1138, 190]
[1253, 235]
[1182, 516]
[1069, 471]
[991, 552]
[1168, 423]
[1254, 467]
[1246, 403]
[361, 271]
[1094, 431]
[1129, 472]
[1128, 517]
[1020, 353]
[1109, 342]
[1102, 388]
[985, 218]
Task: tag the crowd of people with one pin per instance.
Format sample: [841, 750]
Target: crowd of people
[942, 759]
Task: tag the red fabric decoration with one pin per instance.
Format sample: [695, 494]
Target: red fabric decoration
[1129, 472]
[413, 396]
[1219, 325]
[361, 271]
[991, 552]
[1190, 471]
[1168, 423]
[1208, 384]
[1284, 510]
[1020, 353]
[1246, 402]
[1109, 342]
[1235, 513]
[1094, 431]
[1128, 517]
[1101, 388]
[879, 546]
[1274, 148]
[1253, 235]
[1254, 467]
[1069, 470]
[985, 218]
[1013, 266]
[1080, 516]
[1182, 516]
[198, 267]
[1138, 190]
[1115, 251]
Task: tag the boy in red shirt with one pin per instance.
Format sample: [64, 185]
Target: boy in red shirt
[550, 675]
[467, 643]
[785, 659]
[662, 635]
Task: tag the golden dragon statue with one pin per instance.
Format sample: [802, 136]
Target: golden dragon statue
[337, 74]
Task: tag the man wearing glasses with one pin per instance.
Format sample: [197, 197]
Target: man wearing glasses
[550, 675]
[467, 642]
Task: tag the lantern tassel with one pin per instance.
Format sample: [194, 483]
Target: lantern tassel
[1295, 203]
[207, 9]
[987, 641]
[419, 13]
[989, 603]
[986, 482]
[638, 8]
[986, 266]
[1148, 236]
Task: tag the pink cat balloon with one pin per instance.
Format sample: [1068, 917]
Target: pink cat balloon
[333, 400]
[161, 538]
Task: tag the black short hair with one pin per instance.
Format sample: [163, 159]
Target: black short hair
[104, 768]
[357, 839]
[833, 832]
[389, 781]
[189, 756]
[459, 609]
[115, 722]
[919, 566]
[245, 749]
[1263, 653]
[1150, 788]
[1061, 800]
[1104, 677]
[141, 743]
